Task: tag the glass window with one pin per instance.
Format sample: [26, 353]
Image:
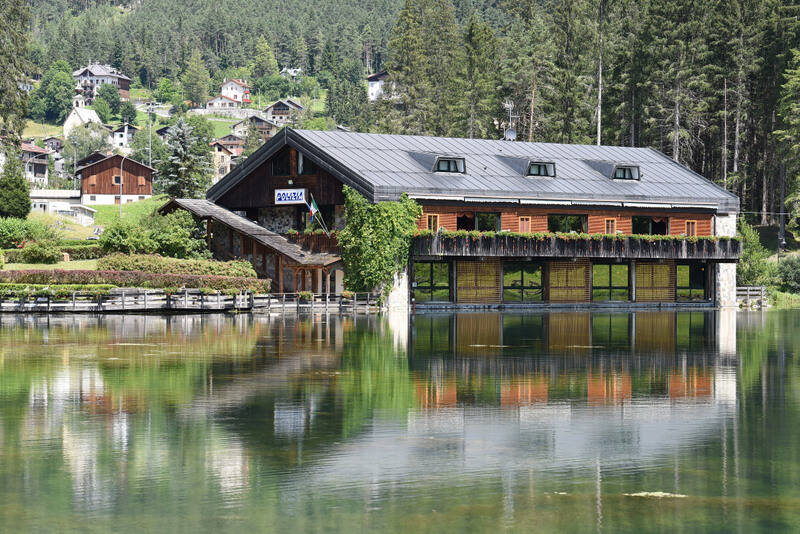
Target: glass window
[567, 223]
[522, 282]
[611, 226]
[691, 228]
[626, 173]
[541, 169]
[450, 165]
[431, 281]
[304, 165]
[610, 281]
[524, 225]
[487, 222]
[649, 225]
[433, 222]
[690, 281]
[281, 164]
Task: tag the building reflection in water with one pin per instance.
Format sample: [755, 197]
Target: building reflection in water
[321, 402]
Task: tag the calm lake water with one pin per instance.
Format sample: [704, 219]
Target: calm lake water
[569, 422]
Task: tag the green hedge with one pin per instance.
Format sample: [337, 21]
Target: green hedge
[137, 279]
[55, 290]
[152, 263]
[474, 234]
[76, 252]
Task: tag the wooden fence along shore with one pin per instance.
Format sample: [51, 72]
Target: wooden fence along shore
[156, 301]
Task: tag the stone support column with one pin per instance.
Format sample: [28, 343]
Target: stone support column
[725, 276]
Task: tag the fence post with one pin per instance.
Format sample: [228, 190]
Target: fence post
[283, 303]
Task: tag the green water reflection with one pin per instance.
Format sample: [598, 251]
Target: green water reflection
[648, 421]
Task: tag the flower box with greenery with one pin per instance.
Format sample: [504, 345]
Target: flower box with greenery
[305, 296]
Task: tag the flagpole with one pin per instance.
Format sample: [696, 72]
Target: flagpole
[321, 220]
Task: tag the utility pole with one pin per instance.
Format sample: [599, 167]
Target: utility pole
[120, 185]
[149, 109]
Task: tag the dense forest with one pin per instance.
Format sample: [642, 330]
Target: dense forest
[714, 84]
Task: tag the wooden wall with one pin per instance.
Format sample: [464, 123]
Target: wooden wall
[98, 179]
[258, 189]
[509, 218]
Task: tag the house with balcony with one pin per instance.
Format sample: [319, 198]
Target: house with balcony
[89, 79]
[237, 90]
[504, 224]
[35, 163]
[267, 128]
[113, 179]
[283, 111]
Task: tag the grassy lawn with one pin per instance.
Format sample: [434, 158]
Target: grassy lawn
[67, 228]
[134, 210]
[221, 128]
[76, 265]
[141, 93]
[34, 129]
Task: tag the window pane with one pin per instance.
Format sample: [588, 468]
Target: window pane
[422, 295]
[601, 294]
[682, 276]
[422, 273]
[533, 275]
[512, 275]
[442, 294]
[600, 276]
[619, 294]
[641, 225]
[441, 274]
[697, 279]
[488, 222]
[619, 275]
[533, 295]
[512, 295]
[555, 223]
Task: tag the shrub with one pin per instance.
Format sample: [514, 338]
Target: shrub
[83, 252]
[305, 295]
[151, 263]
[177, 235]
[56, 290]
[127, 237]
[40, 252]
[753, 268]
[14, 231]
[789, 274]
[135, 279]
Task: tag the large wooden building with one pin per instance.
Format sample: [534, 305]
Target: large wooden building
[504, 223]
[101, 178]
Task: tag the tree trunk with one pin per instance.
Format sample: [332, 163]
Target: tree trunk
[599, 111]
[725, 135]
[765, 175]
[737, 128]
[533, 104]
[676, 123]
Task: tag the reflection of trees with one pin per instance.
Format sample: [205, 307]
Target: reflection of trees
[375, 379]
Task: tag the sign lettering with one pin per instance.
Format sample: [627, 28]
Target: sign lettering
[290, 196]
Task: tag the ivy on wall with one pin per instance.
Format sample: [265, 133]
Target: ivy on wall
[376, 239]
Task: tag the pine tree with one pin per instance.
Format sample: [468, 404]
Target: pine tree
[127, 113]
[183, 173]
[110, 94]
[14, 18]
[196, 79]
[481, 78]
[15, 200]
[253, 140]
[264, 63]
[103, 110]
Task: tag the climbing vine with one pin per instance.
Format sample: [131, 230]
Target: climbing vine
[376, 239]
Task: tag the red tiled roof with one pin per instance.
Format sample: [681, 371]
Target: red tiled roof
[30, 147]
[238, 82]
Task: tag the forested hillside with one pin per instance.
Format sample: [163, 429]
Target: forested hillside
[713, 84]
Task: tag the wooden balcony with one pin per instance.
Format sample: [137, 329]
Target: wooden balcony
[631, 248]
[317, 243]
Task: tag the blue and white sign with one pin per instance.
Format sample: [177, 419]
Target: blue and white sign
[290, 196]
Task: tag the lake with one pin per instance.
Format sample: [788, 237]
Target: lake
[475, 422]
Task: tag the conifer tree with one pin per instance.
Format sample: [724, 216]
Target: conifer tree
[183, 173]
[14, 17]
[15, 200]
[264, 63]
[481, 78]
[196, 79]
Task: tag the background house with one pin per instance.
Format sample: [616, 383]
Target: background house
[122, 137]
[34, 160]
[100, 180]
[54, 143]
[375, 85]
[223, 102]
[283, 111]
[222, 160]
[62, 202]
[89, 79]
[236, 90]
[79, 116]
[265, 127]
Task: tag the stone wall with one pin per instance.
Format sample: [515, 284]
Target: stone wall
[278, 219]
[725, 226]
[398, 293]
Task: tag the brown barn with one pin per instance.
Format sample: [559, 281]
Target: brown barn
[100, 181]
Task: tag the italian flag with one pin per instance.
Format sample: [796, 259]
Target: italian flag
[313, 209]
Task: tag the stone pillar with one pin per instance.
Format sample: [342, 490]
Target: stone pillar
[725, 290]
[398, 294]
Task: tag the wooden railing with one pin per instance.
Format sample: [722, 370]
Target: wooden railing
[316, 242]
[499, 245]
[749, 296]
[144, 301]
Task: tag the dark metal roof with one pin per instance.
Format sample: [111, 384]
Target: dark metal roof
[383, 166]
[208, 210]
